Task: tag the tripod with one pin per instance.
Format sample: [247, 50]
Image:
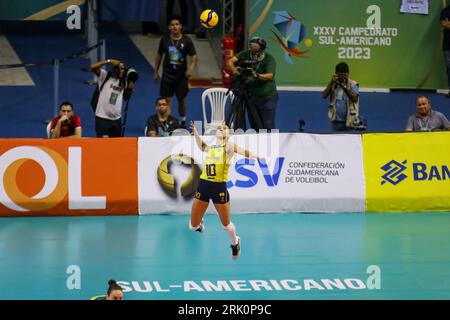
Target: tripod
[240, 105]
[124, 118]
[127, 96]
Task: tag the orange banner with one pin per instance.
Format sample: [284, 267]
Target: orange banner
[68, 177]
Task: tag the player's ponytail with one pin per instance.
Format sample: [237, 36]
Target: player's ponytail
[112, 286]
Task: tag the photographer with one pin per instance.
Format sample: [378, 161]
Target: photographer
[343, 111]
[114, 86]
[257, 68]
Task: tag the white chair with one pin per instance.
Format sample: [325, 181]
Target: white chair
[217, 100]
[49, 129]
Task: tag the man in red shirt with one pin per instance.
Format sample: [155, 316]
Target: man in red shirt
[66, 124]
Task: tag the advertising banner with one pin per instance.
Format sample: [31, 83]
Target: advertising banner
[383, 47]
[296, 173]
[66, 177]
[407, 171]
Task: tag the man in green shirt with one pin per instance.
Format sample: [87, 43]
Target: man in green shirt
[262, 89]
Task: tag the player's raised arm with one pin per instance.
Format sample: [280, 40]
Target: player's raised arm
[201, 144]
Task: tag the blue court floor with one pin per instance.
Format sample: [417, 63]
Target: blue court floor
[284, 256]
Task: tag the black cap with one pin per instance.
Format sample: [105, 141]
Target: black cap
[262, 43]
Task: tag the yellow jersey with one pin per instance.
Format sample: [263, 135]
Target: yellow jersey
[217, 164]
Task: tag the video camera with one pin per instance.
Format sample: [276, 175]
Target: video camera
[246, 68]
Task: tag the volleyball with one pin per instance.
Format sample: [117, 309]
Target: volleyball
[308, 42]
[209, 18]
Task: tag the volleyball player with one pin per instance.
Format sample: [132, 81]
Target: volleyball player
[115, 292]
[212, 185]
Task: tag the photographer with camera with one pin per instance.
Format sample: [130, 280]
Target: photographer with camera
[256, 68]
[343, 111]
[113, 87]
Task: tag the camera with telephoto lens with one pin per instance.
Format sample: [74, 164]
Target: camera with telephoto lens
[132, 74]
[130, 77]
[341, 78]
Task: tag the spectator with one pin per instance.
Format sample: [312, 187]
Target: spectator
[426, 119]
[343, 111]
[66, 124]
[113, 86]
[175, 48]
[115, 292]
[445, 23]
[161, 124]
[262, 89]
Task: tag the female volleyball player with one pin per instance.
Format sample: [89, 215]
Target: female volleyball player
[212, 185]
[115, 292]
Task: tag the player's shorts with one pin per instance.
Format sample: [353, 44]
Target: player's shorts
[215, 191]
[178, 87]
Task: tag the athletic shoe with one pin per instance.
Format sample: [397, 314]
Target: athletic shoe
[236, 249]
[201, 228]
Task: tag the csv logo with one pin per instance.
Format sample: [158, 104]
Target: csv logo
[394, 172]
[61, 178]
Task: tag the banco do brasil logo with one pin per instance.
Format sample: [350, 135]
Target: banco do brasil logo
[421, 172]
[394, 172]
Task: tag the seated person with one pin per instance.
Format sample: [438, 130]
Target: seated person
[161, 124]
[426, 119]
[66, 124]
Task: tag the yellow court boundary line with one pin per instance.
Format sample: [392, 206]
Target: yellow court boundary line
[54, 10]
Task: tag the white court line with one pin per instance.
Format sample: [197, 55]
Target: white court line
[14, 76]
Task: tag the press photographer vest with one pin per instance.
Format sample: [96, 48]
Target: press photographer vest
[352, 107]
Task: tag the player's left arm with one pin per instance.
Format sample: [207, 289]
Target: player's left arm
[244, 152]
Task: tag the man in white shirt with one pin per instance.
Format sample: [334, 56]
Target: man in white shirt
[112, 85]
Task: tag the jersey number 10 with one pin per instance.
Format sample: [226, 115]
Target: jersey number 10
[211, 170]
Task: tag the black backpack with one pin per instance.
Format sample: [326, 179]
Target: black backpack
[95, 96]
